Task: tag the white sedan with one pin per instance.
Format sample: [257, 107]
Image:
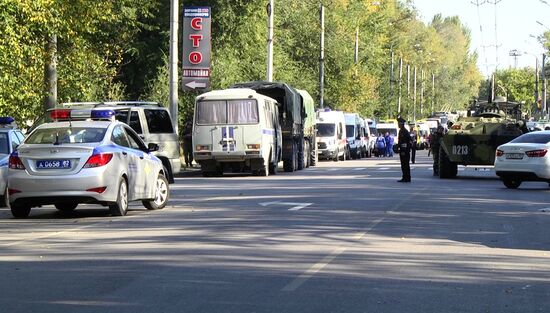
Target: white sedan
[525, 158]
[66, 163]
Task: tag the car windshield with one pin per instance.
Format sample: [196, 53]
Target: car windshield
[325, 130]
[533, 138]
[392, 131]
[66, 135]
[373, 130]
[350, 130]
[4, 143]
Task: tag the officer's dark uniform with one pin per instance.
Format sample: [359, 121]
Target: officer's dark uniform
[404, 151]
[413, 146]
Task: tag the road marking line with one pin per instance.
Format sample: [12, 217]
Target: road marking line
[359, 169]
[298, 281]
[384, 168]
[315, 268]
[295, 206]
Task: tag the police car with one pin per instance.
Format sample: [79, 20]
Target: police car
[10, 138]
[85, 156]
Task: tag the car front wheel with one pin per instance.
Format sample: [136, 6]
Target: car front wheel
[162, 194]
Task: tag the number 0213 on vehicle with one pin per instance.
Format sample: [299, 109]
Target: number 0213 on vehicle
[53, 164]
[460, 150]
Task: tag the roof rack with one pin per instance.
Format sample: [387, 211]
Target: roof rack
[80, 104]
[129, 103]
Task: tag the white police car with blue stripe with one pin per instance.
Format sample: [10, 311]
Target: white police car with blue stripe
[98, 160]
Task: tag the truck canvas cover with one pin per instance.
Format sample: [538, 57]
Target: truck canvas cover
[288, 98]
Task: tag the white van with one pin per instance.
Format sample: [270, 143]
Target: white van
[355, 130]
[236, 129]
[331, 135]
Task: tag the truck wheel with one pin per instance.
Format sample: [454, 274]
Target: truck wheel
[301, 154]
[447, 169]
[307, 154]
[289, 165]
[313, 157]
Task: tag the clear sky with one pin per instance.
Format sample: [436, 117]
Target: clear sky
[516, 23]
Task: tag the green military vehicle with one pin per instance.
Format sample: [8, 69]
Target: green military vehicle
[473, 140]
[310, 145]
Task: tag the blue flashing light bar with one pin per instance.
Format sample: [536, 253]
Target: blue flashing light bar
[6, 120]
[102, 114]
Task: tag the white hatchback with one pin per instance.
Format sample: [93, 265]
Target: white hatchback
[525, 158]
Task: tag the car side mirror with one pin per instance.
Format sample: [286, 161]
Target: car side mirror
[152, 147]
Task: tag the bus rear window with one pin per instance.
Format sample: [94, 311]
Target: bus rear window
[227, 112]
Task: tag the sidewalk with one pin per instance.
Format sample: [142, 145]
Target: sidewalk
[189, 171]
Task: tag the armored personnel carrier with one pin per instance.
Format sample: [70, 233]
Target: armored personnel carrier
[473, 139]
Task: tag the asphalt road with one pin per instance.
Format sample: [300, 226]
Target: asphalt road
[339, 237]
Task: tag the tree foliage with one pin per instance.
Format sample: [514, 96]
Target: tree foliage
[117, 49]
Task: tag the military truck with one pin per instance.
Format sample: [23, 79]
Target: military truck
[310, 132]
[473, 140]
[291, 118]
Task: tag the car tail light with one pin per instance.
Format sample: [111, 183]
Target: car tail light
[456, 126]
[97, 189]
[536, 153]
[15, 163]
[13, 191]
[499, 153]
[98, 160]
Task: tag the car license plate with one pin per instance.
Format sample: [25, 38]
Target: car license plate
[53, 164]
[514, 156]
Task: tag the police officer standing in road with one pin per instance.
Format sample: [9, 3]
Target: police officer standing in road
[434, 146]
[404, 151]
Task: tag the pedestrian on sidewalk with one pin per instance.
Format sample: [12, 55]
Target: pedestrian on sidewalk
[380, 145]
[188, 143]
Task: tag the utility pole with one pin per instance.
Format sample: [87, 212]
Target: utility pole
[537, 81]
[515, 54]
[270, 9]
[322, 60]
[174, 22]
[414, 97]
[399, 86]
[357, 46]
[391, 78]
[50, 73]
[421, 92]
[544, 86]
[433, 91]
[409, 81]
